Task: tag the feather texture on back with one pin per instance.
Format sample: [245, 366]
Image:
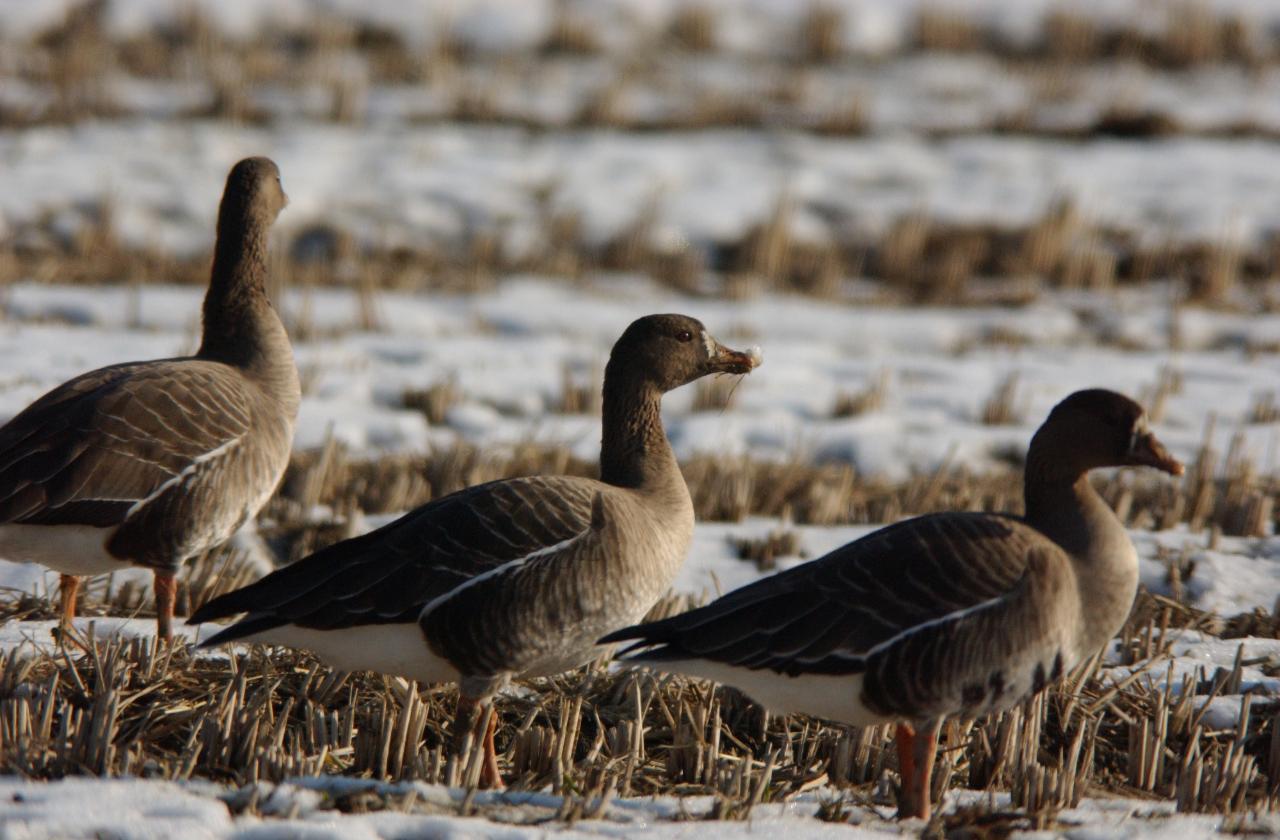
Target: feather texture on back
[932, 596]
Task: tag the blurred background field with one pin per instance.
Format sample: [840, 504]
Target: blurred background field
[937, 219]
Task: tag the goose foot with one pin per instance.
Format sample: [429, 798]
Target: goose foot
[480, 719]
[490, 777]
[916, 752]
[166, 588]
[68, 588]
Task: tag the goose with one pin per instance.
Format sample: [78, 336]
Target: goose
[151, 463]
[513, 578]
[945, 614]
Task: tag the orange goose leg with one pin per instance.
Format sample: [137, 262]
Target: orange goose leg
[166, 586]
[916, 752]
[490, 777]
[482, 720]
[68, 587]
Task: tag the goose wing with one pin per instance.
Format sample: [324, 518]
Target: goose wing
[911, 585]
[390, 575]
[103, 446]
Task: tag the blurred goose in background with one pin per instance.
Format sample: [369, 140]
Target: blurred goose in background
[513, 578]
[151, 463]
[945, 614]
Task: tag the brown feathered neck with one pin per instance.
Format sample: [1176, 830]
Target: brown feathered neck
[634, 451]
[236, 304]
[1059, 497]
[241, 327]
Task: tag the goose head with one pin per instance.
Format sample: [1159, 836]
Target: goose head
[668, 351]
[254, 194]
[1100, 428]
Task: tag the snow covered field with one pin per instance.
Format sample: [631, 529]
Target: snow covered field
[196, 811]
[511, 350]
[876, 26]
[508, 351]
[399, 185]
[975, 135]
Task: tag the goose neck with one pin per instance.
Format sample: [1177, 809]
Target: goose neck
[237, 285]
[1073, 515]
[1063, 505]
[1069, 511]
[634, 451]
[240, 326]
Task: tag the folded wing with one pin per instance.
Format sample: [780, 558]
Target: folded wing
[389, 575]
[833, 615]
[102, 447]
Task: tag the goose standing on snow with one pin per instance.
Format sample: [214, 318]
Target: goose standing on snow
[950, 613]
[510, 578]
[150, 463]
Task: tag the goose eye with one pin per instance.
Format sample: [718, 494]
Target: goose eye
[685, 335]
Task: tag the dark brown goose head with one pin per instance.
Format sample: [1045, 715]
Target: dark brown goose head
[253, 196]
[1099, 428]
[656, 354]
[667, 351]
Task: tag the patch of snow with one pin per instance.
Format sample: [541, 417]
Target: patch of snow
[94, 808]
[509, 351]
[421, 186]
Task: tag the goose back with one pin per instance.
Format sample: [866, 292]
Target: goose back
[445, 549]
[389, 574]
[541, 614]
[136, 448]
[933, 614]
